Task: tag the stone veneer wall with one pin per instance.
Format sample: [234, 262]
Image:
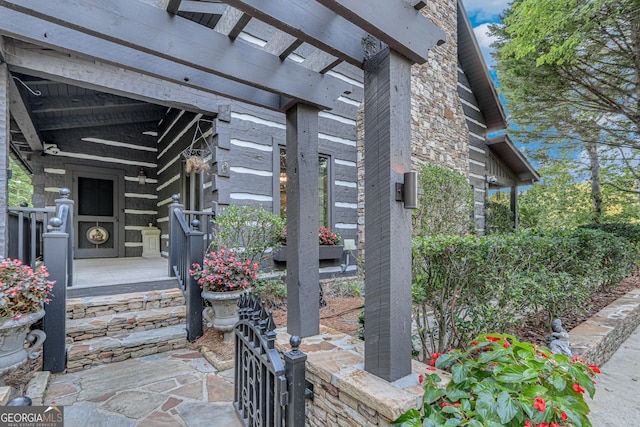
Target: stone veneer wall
[599, 337]
[438, 128]
[345, 395]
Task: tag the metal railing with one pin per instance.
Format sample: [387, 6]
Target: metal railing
[186, 247]
[26, 226]
[268, 392]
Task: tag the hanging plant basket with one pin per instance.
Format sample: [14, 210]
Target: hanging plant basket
[197, 159]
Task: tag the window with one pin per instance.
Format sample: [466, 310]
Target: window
[324, 204]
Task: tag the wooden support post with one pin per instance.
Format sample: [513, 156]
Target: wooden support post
[514, 206]
[387, 121]
[4, 157]
[54, 356]
[303, 304]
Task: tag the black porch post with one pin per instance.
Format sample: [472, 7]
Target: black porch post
[303, 305]
[4, 157]
[387, 136]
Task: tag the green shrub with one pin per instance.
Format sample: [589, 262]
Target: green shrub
[502, 382]
[499, 218]
[270, 289]
[445, 204]
[466, 285]
[248, 230]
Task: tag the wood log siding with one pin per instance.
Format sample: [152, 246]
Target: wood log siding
[140, 199]
[477, 160]
[253, 135]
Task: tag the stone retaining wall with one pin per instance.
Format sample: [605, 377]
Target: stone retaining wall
[116, 349]
[598, 338]
[345, 394]
[104, 305]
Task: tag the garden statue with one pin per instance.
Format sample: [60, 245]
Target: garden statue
[559, 340]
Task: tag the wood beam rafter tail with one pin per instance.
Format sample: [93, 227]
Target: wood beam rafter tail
[395, 22]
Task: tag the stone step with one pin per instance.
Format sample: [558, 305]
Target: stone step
[86, 328]
[98, 351]
[97, 306]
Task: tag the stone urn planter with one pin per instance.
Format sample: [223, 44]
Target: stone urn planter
[13, 334]
[223, 313]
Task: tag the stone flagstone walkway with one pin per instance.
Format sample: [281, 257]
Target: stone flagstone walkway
[178, 388]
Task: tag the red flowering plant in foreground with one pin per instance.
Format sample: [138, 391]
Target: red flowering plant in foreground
[223, 271]
[500, 381]
[23, 289]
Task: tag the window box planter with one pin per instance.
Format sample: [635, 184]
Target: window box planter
[326, 252]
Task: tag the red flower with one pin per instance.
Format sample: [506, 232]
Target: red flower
[555, 425]
[563, 416]
[493, 339]
[540, 404]
[444, 404]
[421, 379]
[474, 343]
[506, 344]
[433, 359]
[542, 425]
[527, 424]
[578, 388]
[430, 368]
[594, 368]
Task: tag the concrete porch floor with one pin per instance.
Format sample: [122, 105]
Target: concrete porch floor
[104, 276]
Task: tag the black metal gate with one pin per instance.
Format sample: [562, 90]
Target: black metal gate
[268, 391]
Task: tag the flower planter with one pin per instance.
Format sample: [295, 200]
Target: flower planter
[13, 334]
[223, 313]
[326, 252]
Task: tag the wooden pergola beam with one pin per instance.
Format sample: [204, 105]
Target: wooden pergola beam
[25, 27]
[87, 74]
[202, 7]
[309, 21]
[151, 30]
[395, 22]
[21, 113]
[173, 6]
[282, 44]
[232, 22]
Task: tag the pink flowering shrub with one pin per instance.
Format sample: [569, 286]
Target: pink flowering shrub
[23, 289]
[326, 236]
[223, 271]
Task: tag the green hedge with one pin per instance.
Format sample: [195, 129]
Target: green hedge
[479, 284]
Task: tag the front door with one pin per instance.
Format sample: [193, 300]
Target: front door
[98, 213]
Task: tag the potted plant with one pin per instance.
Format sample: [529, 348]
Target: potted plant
[24, 291]
[223, 278]
[329, 241]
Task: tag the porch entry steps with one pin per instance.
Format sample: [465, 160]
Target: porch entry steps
[112, 328]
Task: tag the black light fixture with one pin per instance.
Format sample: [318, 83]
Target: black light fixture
[142, 177]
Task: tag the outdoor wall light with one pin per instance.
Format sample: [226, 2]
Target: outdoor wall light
[492, 179]
[142, 177]
[407, 192]
[349, 245]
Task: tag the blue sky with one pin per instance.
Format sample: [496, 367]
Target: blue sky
[481, 14]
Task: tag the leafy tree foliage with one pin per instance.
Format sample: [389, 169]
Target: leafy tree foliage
[20, 188]
[570, 72]
[562, 199]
